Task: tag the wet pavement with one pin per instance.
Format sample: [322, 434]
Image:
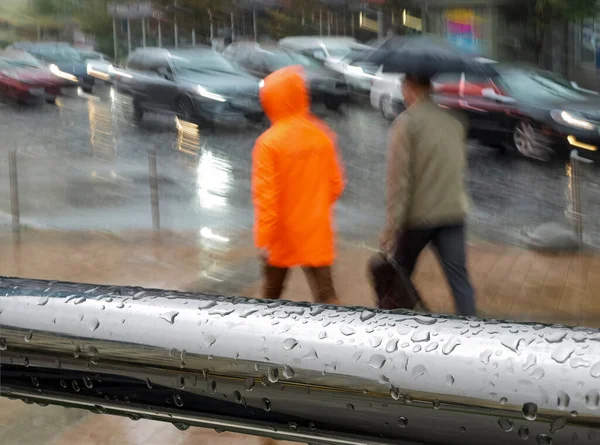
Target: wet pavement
[84, 165]
[86, 210]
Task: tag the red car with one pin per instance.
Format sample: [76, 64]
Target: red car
[25, 80]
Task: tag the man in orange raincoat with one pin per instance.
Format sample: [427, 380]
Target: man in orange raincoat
[296, 179]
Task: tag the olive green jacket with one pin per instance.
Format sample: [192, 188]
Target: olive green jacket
[425, 170]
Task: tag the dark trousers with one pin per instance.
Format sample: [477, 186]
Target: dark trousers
[449, 243]
[319, 280]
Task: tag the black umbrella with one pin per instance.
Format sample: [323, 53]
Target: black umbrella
[427, 56]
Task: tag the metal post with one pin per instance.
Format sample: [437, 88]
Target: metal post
[176, 32]
[353, 18]
[335, 17]
[159, 29]
[193, 37]
[153, 179]
[115, 38]
[232, 28]
[14, 194]
[144, 32]
[128, 36]
[255, 25]
[575, 195]
[328, 23]
[212, 26]
[320, 22]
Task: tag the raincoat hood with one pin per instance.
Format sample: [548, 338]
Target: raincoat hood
[285, 94]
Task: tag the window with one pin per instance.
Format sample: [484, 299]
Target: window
[153, 64]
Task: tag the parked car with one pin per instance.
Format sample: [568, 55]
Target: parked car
[359, 68]
[99, 65]
[325, 86]
[537, 112]
[63, 60]
[197, 84]
[25, 80]
[236, 49]
[328, 50]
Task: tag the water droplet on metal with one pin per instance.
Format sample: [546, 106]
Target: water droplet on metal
[375, 341]
[530, 410]
[449, 380]
[425, 320]
[395, 393]
[177, 400]
[402, 422]
[366, 315]
[558, 424]
[181, 426]
[312, 355]
[169, 317]
[592, 399]
[79, 300]
[544, 439]
[562, 353]
[288, 372]
[223, 312]
[290, 343]
[133, 416]
[209, 340]
[75, 386]
[206, 304]
[293, 426]
[505, 424]
[417, 348]
[523, 432]
[431, 346]
[419, 371]
[88, 382]
[503, 401]
[266, 404]
[120, 305]
[537, 374]
[3, 344]
[213, 387]
[35, 381]
[249, 384]
[451, 345]
[312, 426]
[93, 324]
[63, 384]
[377, 361]
[392, 345]
[350, 406]
[26, 362]
[530, 362]
[28, 336]
[578, 362]
[563, 400]
[462, 429]
[436, 404]
[347, 330]
[420, 336]
[555, 337]
[43, 301]
[148, 383]
[273, 375]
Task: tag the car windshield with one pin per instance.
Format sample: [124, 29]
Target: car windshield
[202, 62]
[60, 55]
[535, 85]
[339, 52]
[281, 59]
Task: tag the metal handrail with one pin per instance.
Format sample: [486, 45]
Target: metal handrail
[297, 371]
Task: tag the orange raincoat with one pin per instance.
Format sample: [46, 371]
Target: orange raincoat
[296, 177]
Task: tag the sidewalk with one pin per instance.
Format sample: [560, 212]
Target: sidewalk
[511, 283]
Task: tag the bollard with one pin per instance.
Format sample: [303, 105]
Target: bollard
[14, 195]
[575, 194]
[153, 179]
[306, 373]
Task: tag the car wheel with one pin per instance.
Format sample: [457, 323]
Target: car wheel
[51, 100]
[88, 89]
[387, 107]
[184, 109]
[332, 103]
[530, 142]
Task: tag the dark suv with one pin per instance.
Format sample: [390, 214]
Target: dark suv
[197, 84]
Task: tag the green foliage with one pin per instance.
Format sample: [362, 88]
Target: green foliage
[567, 10]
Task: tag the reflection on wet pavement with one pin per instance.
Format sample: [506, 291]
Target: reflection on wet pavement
[86, 211]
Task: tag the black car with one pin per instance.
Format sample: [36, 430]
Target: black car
[197, 84]
[63, 60]
[537, 112]
[325, 86]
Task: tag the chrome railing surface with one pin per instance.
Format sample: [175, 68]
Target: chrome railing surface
[297, 371]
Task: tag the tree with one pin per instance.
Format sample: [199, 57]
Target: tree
[548, 12]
